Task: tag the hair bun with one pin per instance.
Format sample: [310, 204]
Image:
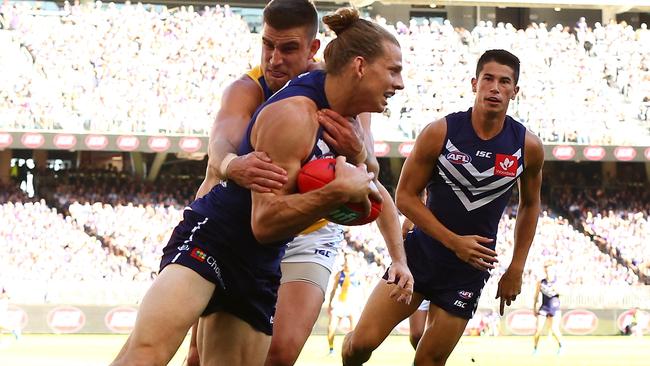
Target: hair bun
[341, 20]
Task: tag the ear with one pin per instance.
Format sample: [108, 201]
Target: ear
[474, 83]
[514, 95]
[313, 48]
[360, 66]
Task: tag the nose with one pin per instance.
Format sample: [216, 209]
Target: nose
[399, 83]
[276, 57]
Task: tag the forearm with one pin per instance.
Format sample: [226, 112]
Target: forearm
[525, 227]
[414, 209]
[389, 226]
[285, 216]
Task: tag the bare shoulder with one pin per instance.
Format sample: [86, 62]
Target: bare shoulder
[429, 141]
[243, 91]
[288, 111]
[289, 120]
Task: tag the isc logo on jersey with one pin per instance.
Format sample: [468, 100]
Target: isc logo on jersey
[458, 157]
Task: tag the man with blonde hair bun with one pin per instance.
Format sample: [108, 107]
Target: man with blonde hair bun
[222, 264]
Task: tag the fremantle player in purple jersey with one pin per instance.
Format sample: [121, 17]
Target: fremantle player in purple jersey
[469, 163]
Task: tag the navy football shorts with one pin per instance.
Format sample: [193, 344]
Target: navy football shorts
[551, 308]
[245, 292]
[442, 278]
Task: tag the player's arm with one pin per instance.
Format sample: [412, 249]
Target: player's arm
[530, 184]
[417, 171]
[254, 171]
[354, 138]
[286, 130]
[388, 224]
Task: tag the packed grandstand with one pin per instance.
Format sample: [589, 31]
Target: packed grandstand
[153, 70]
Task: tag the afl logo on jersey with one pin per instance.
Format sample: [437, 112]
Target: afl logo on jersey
[457, 157]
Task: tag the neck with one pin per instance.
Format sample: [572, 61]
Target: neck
[338, 97]
[487, 124]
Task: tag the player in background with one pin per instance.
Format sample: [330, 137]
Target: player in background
[344, 299]
[549, 313]
[469, 162]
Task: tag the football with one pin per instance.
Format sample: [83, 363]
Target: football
[316, 174]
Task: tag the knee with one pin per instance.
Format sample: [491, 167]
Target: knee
[277, 357]
[283, 353]
[140, 356]
[431, 358]
[358, 345]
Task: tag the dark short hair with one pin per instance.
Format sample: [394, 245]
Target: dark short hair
[502, 57]
[287, 14]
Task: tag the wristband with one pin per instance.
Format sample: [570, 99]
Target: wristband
[223, 168]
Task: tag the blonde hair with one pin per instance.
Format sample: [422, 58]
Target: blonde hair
[354, 37]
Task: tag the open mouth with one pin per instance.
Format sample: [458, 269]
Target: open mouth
[493, 100]
[388, 95]
[277, 74]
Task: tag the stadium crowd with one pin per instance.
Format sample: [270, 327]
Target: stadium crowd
[149, 69]
[103, 225]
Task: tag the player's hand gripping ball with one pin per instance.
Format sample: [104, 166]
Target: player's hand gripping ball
[316, 174]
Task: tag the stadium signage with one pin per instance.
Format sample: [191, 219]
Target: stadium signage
[522, 322]
[594, 153]
[159, 143]
[564, 152]
[65, 142]
[579, 322]
[190, 144]
[405, 148]
[121, 319]
[5, 140]
[647, 153]
[32, 140]
[381, 148]
[96, 142]
[626, 318]
[16, 317]
[66, 319]
[625, 153]
[128, 143]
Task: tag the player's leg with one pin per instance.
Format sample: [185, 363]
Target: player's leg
[192, 358]
[175, 300]
[298, 307]
[331, 330]
[417, 322]
[555, 328]
[230, 341]
[541, 322]
[439, 339]
[380, 315]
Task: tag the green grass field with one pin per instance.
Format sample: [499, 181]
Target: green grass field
[91, 350]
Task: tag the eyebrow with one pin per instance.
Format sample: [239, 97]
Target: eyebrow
[501, 78]
[282, 44]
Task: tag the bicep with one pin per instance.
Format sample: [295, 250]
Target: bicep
[238, 103]
[295, 128]
[530, 184]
